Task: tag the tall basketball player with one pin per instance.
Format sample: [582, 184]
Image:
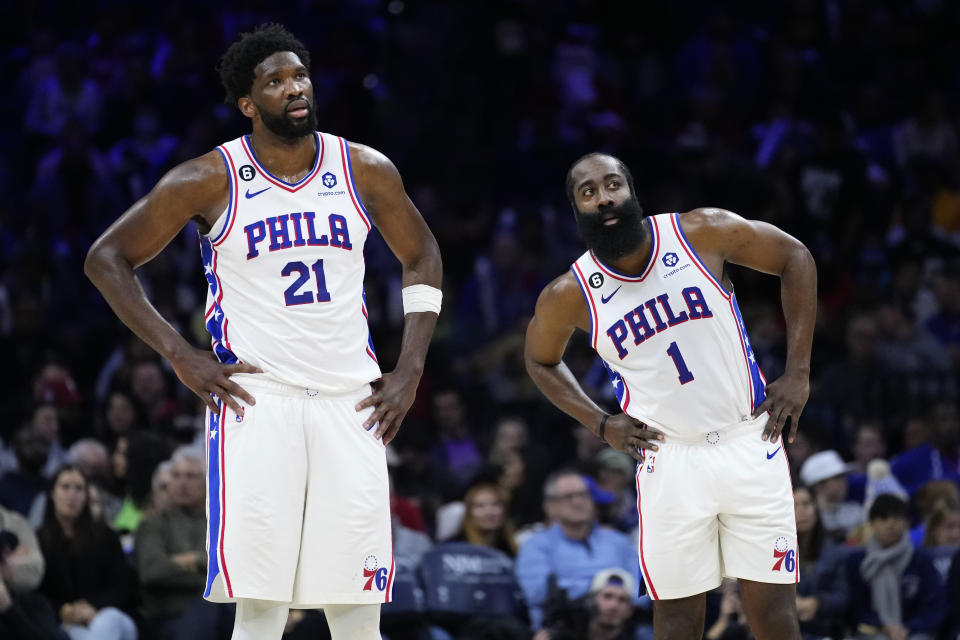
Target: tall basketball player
[713, 484]
[298, 411]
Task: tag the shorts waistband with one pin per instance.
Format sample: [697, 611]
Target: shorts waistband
[254, 381]
[725, 434]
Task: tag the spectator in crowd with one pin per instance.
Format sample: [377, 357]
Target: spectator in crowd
[942, 535]
[161, 485]
[171, 559]
[943, 526]
[24, 562]
[868, 444]
[19, 489]
[826, 474]
[456, 455]
[485, 521]
[119, 416]
[731, 620]
[91, 457]
[937, 459]
[822, 593]
[926, 500]
[144, 453]
[573, 549]
[604, 613]
[905, 348]
[896, 592]
[851, 385]
[951, 625]
[46, 422]
[616, 476]
[24, 614]
[87, 578]
[150, 390]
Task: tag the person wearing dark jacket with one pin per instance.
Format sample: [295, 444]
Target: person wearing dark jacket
[172, 560]
[896, 591]
[822, 592]
[87, 579]
[24, 614]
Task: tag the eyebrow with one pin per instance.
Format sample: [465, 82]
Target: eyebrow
[590, 180]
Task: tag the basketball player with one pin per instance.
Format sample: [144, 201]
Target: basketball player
[713, 483]
[298, 412]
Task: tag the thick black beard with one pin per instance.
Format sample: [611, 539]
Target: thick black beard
[285, 127]
[614, 242]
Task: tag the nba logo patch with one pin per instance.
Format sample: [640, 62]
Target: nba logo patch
[329, 180]
[239, 416]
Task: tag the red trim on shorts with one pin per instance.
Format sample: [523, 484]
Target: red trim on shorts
[390, 580]
[223, 499]
[643, 563]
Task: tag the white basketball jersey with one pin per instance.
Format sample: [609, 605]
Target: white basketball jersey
[672, 338]
[285, 268]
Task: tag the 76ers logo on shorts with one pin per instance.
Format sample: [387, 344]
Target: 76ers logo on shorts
[786, 558]
[376, 576]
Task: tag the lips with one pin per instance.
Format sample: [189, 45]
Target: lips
[609, 220]
[298, 108]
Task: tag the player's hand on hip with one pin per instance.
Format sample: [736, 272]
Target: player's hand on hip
[206, 376]
[786, 397]
[631, 436]
[392, 396]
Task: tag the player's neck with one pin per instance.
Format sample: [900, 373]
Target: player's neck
[288, 159]
[635, 262]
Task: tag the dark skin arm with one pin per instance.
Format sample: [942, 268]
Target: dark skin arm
[196, 189]
[561, 309]
[381, 190]
[719, 236]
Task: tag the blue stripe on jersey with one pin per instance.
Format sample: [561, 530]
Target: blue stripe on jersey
[586, 298]
[213, 498]
[692, 251]
[759, 388]
[353, 183]
[216, 320]
[373, 352]
[230, 212]
[617, 381]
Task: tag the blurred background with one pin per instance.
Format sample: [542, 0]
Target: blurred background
[835, 120]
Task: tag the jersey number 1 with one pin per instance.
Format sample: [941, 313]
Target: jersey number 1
[674, 352]
[292, 295]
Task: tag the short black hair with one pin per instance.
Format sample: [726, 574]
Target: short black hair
[888, 505]
[250, 49]
[621, 166]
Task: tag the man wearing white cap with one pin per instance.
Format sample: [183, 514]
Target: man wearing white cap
[826, 474]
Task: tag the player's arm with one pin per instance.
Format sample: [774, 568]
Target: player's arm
[409, 238]
[195, 188]
[763, 247]
[561, 309]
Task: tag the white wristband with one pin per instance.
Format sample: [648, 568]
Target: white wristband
[421, 297]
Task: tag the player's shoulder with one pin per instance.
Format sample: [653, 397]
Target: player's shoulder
[201, 175]
[705, 218]
[365, 158]
[562, 293]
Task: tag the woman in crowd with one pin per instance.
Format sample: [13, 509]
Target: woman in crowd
[485, 522]
[87, 578]
[821, 593]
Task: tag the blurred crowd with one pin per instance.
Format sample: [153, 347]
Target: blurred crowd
[835, 120]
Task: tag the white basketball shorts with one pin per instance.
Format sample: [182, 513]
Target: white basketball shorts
[719, 505]
[298, 504]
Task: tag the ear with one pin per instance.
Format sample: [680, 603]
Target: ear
[247, 108]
